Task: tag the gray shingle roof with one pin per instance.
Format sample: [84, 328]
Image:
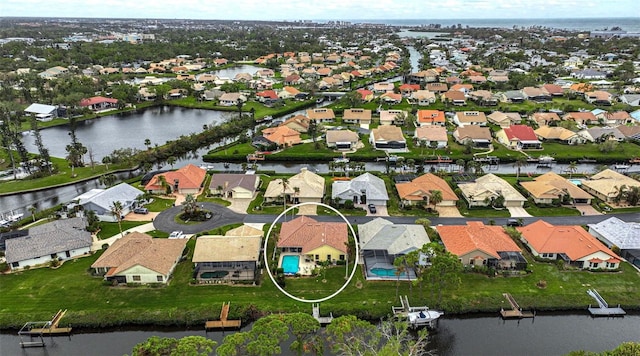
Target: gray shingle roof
[123, 193]
[373, 186]
[625, 235]
[54, 237]
[381, 234]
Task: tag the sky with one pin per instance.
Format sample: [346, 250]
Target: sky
[320, 9]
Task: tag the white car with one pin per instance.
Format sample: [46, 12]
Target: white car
[177, 235]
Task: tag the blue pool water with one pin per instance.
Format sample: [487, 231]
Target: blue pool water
[290, 264]
[385, 272]
[577, 182]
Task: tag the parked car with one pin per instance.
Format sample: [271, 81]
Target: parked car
[514, 222]
[177, 235]
[141, 211]
[372, 208]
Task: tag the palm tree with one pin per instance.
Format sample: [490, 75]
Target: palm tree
[285, 185]
[436, 197]
[518, 164]
[171, 160]
[461, 164]
[572, 168]
[116, 210]
[32, 211]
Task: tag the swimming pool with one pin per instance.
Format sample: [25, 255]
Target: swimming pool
[385, 272]
[290, 264]
[577, 182]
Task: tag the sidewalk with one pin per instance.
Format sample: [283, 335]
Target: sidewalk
[97, 244]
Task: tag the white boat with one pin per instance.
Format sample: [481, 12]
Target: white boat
[423, 317]
[416, 317]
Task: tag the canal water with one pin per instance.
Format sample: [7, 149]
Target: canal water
[489, 335]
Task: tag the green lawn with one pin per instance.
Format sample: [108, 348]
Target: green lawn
[42, 292]
[63, 176]
[108, 229]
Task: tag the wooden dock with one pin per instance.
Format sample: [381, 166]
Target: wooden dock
[223, 323]
[34, 330]
[515, 312]
[323, 320]
[603, 308]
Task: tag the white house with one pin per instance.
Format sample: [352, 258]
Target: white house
[364, 189]
[60, 239]
[101, 200]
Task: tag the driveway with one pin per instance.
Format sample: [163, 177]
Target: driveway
[587, 210]
[239, 206]
[448, 212]
[518, 212]
[165, 221]
[97, 244]
[381, 210]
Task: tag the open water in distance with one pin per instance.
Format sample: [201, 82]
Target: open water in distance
[544, 335]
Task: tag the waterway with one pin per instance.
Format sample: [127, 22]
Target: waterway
[488, 335]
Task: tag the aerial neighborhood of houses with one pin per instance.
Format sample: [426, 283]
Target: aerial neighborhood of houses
[364, 99]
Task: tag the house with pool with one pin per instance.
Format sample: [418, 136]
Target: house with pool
[228, 259]
[303, 242]
[382, 241]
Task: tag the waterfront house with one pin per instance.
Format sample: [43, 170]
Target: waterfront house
[545, 118]
[608, 185]
[383, 87]
[422, 98]
[477, 244]
[420, 189]
[231, 99]
[101, 200]
[282, 136]
[550, 187]
[487, 188]
[484, 98]
[393, 117]
[570, 243]
[229, 258]
[60, 240]
[321, 115]
[139, 258]
[602, 134]
[466, 118]
[382, 241]
[316, 241]
[454, 97]
[559, 134]
[480, 137]
[363, 189]
[430, 117]
[185, 180]
[432, 136]
[303, 187]
[623, 235]
[298, 123]
[235, 186]
[42, 112]
[357, 116]
[341, 139]
[519, 137]
[388, 138]
[504, 119]
[582, 118]
[99, 103]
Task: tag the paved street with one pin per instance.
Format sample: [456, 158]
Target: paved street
[165, 221]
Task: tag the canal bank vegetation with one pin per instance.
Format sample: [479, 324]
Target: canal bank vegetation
[92, 303]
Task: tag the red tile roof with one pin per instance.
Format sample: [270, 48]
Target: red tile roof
[572, 240]
[97, 100]
[464, 239]
[189, 177]
[430, 116]
[309, 234]
[520, 132]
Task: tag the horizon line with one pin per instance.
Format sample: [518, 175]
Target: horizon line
[322, 19]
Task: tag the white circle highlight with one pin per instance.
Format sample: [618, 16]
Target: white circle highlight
[355, 262]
